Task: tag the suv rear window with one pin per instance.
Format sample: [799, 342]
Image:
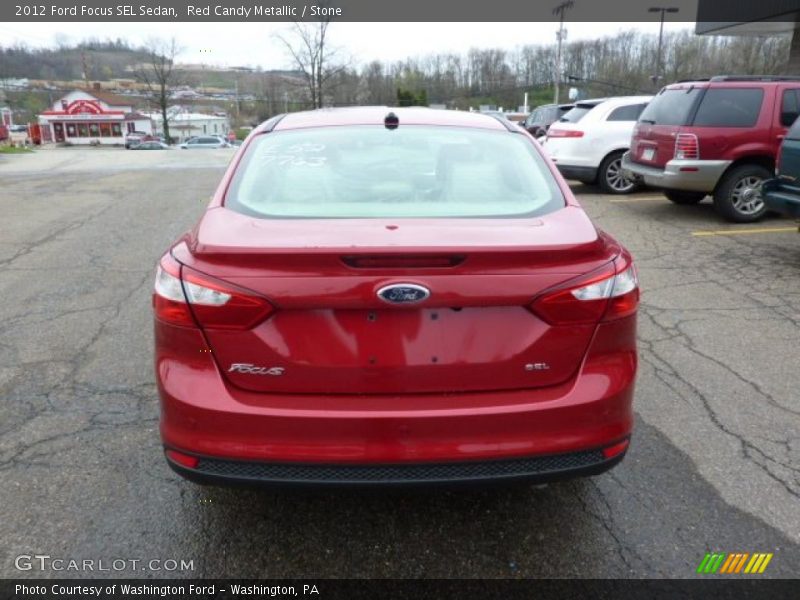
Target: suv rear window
[577, 113]
[670, 107]
[729, 107]
[373, 172]
[626, 113]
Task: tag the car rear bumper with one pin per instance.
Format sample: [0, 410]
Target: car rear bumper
[537, 469]
[577, 172]
[203, 415]
[779, 199]
[688, 175]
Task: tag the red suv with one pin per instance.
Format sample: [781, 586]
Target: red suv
[384, 297]
[718, 137]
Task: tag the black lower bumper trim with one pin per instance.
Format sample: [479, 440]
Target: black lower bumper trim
[540, 469]
[584, 174]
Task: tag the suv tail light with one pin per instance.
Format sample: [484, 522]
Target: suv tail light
[610, 294]
[687, 147]
[564, 133]
[182, 296]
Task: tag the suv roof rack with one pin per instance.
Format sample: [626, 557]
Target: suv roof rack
[693, 80]
[755, 78]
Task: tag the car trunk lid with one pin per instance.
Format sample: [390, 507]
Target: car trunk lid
[331, 332]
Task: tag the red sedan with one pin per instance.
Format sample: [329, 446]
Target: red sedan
[385, 295]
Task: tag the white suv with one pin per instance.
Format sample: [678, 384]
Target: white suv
[588, 142]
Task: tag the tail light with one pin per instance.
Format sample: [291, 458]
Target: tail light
[687, 147]
[564, 133]
[182, 296]
[611, 293]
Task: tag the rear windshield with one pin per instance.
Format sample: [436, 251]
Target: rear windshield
[577, 113]
[670, 107]
[412, 171]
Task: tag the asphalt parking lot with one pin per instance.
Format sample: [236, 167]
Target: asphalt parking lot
[714, 464]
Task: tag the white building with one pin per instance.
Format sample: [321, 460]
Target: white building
[94, 117]
[184, 124]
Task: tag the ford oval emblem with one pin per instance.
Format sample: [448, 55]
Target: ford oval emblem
[403, 293]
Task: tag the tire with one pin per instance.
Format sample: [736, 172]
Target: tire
[738, 194]
[682, 197]
[609, 176]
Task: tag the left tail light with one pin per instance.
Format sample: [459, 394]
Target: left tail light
[183, 296]
[611, 293]
[564, 133]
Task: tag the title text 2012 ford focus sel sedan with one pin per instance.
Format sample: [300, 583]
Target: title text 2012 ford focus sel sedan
[385, 295]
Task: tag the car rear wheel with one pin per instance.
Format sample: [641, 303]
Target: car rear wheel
[681, 197]
[738, 196]
[611, 178]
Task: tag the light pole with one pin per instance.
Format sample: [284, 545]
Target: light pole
[663, 10]
[560, 35]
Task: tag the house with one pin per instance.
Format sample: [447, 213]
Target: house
[184, 124]
[93, 117]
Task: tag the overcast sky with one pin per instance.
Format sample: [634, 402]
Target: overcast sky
[254, 44]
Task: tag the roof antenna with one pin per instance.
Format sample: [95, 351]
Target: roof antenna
[391, 121]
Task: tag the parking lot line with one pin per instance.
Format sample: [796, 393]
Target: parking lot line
[744, 231]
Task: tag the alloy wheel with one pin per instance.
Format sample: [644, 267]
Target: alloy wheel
[615, 179]
[746, 195]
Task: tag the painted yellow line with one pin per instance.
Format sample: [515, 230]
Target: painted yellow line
[744, 231]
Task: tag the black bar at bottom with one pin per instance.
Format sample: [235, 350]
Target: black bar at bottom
[407, 589]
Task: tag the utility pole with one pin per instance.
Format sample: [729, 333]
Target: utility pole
[236, 82]
[662, 10]
[561, 34]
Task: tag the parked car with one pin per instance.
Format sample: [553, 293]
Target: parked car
[718, 137]
[152, 145]
[402, 297]
[539, 121]
[204, 141]
[588, 142]
[782, 193]
[496, 113]
[132, 138]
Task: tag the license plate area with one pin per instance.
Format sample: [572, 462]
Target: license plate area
[648, 154]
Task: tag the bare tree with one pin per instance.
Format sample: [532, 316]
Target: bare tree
[320, 64]
[158, 74]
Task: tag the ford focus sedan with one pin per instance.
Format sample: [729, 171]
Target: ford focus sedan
[383, 296]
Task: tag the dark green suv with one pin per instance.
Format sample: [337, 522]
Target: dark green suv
[782, 194]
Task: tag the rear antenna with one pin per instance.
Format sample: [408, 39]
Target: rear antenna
[391, 121]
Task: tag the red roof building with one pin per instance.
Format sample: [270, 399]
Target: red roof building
[94, 117]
